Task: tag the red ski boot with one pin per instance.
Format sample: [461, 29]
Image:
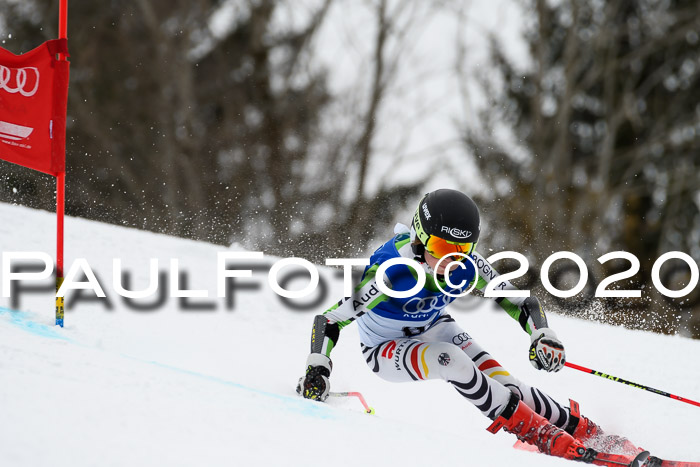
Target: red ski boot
[532, 428]
[590, 434]
[580, 427]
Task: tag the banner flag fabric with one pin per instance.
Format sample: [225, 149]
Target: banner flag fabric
[33, 104]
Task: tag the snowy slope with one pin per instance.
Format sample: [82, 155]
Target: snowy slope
[170, 386]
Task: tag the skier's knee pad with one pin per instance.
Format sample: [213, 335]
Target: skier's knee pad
[448, 361]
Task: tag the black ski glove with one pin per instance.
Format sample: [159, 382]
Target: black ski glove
[315, 385]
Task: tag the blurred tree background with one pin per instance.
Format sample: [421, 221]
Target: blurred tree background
[607, 120]
[216, 120]
[212, 133]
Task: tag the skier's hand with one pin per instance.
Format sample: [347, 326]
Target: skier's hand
[546, 350]
[315, 385]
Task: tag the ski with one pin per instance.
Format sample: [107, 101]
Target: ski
[609, 460]
[642, 459]
[620, 460]
[656, 462]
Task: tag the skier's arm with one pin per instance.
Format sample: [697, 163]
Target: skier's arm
[525, 310]
[324, 336]
[546, 350]
[327, 327]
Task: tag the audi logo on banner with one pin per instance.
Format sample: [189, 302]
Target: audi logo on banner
[19, 80]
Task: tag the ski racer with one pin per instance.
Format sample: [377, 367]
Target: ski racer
[413, 338]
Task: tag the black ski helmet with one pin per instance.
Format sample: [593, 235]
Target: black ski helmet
[449, 215]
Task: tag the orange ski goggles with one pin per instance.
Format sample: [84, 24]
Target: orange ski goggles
[439, 247]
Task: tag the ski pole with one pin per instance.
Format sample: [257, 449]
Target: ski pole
[629, 383]
[368, 409]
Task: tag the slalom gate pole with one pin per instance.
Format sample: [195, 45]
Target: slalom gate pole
[368, 409]
[629, 383]
[60, 208]
[60, 183]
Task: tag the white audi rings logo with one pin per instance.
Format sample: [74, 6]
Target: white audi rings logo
[426, 305]
[19, 80]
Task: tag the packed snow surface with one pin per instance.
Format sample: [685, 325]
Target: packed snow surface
[211, 382]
